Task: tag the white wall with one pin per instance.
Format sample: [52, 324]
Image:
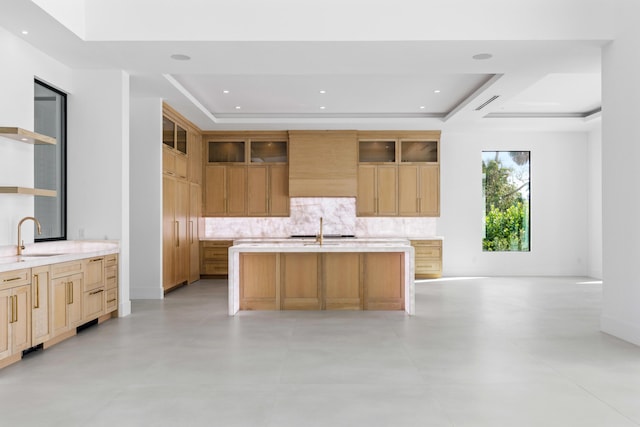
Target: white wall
[594, 210]
[558, 204]
[621, 185]
[98, 164]
[21, 63]
[146, 198]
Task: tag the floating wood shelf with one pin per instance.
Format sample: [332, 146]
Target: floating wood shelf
[28, 191]
[26, 136]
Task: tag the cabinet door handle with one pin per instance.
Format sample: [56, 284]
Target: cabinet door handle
[71, 289]
[14, 308]
[96, 292]
[37, 296]
[11, 279]
[191, 225]
[11, 303]
[110, 300]
[96, 259]
[177, 227]
[66, 284]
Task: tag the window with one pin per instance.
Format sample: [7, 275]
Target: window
[50, 116]
[505, 178]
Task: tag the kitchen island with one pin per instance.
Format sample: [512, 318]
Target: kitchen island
[339, 274]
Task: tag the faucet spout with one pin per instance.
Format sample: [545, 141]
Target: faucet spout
[320, 237]
[20, 241]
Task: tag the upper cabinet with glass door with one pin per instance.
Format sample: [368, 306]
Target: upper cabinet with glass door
[419, 151]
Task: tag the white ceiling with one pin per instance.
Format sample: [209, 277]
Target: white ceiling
[540, 83]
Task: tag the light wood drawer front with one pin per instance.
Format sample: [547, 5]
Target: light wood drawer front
[428, 252]
[111, 300]
[14, 278]
[111, 277]
[93, 304]
[110, 260]
[428, 267]
[66, 268]
[215, 253]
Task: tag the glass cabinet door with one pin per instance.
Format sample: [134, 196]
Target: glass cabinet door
[268, 152]
[419, 151]
[181, 140]
[377, 151]
[168, 132]
[226, 152]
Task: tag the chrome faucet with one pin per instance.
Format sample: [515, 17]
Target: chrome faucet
[319, 237]
[20, 241]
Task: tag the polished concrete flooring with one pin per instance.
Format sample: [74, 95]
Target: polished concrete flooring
[479, 352]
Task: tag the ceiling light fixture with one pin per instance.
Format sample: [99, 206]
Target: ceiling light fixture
[422, 107]
[25, 32]
[323, 91]
[225, 91]
[180, 57]
[323, 107]
[482, 56]
[238, 107]
[436, 91]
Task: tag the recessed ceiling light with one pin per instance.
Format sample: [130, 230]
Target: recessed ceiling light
[25, 32]
[436, 91]
[482, 56]
[225, 91]
[180, 57]
[422, 107]
[238, 107]
[323, 91]
[24, 139]
[323, 107]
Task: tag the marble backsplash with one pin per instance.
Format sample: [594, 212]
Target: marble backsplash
[339, 217]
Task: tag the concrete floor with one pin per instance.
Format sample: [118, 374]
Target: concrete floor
[479, 352]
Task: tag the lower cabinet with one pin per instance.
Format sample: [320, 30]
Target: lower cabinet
[44, 305]
[322, 281]
[214, 257]
[15, 317]
[428, 256]
[40, 305]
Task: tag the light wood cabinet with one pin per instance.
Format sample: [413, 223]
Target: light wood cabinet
[419, 190]
[41, 302]
[195, 206]
[15, 315]
[381, 274]
[175, 214]
[428, 258]
[93, 289]
[321, 281]
[413, 187]
[214, 257]
[246, 174]
[111, 283]
[67, 303]
[196, 160]
[377, 190]
[260, 275]
[300, 282]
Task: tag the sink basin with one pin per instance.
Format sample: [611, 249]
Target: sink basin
[29, 256]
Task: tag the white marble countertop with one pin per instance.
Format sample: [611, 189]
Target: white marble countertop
[37, 254]
[309, 244]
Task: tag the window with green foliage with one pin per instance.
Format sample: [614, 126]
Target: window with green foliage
[505, 179]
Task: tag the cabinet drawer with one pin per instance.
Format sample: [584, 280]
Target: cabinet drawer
[93, 304]
[428, 252]
[111, 278]
[111, 300]
[215, 253]
[110, 260]
[215, 267]
[93, 273]
[14, 278]
[66, 268]
[428, 267]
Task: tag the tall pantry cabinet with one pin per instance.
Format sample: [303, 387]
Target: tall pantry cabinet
[181, 200]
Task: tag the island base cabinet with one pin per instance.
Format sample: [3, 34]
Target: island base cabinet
[321, 281]
[300, 290]
[259, 275]
[67, 303]
[381, 274]
[342, 284]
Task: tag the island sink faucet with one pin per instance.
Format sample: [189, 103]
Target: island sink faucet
[319, 237]
[20, 241]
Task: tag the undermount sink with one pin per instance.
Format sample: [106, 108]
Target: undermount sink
[28, 256]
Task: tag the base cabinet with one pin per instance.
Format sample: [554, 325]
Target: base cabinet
[40, 304]
[428, 256]
[214, 257]
[15, 318]
[67, 303]
[321, 281]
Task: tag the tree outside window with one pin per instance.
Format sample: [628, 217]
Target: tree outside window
[505, 176]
